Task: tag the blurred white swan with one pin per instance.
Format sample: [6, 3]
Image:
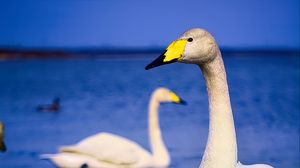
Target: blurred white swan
[109, 151]
[197, 46]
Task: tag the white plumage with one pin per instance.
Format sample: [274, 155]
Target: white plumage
[197, 46]
[102, 149]
[106, 150]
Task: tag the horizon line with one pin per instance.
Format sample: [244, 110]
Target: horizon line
[125, 52]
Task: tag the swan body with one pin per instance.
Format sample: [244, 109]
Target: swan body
[197, 46]
[109, 148]
[113, 151]
[240, 165]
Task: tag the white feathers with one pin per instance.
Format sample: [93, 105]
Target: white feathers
[106, 150]
[240, 165]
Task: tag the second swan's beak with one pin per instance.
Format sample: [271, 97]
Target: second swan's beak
[183, 102]
[172, 54]
[176, 99]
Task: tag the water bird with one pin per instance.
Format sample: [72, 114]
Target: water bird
[54, 107]
[2, 144]
[197, 46]
[113, 151]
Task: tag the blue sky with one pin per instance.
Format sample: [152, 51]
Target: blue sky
[147, 23]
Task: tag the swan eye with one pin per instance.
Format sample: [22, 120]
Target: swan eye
[190, 39]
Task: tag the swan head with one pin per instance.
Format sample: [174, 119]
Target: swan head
[164, 95]
[195, 46]
[1, 126]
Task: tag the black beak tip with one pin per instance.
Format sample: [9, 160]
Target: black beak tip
[148, 67]
[183, 102]
[157, 62]
[3, 147]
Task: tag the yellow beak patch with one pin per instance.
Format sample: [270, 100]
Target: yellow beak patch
[172, 54]
[174, 98]
[175, 50]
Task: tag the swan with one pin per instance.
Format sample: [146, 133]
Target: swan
[113, 151]
[2, 144]
[197, 46]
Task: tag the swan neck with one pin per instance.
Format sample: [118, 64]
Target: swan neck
[221, 148]
[159, 151]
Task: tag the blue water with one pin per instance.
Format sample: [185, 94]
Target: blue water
[112, 96]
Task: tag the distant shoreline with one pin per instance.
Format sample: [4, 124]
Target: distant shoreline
[111, 53]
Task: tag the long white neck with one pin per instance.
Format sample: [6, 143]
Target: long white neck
[221, 148]
[159, 151]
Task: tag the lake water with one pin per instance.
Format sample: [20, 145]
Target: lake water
[112, 96]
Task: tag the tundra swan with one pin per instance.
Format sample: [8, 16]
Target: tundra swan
[197, 46]
[113, 151]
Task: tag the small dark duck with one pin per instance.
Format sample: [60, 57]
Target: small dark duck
[54, 107]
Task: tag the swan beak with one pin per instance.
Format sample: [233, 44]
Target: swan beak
[172, 54]
[177, 100]
[183, 102]
[2, 147]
